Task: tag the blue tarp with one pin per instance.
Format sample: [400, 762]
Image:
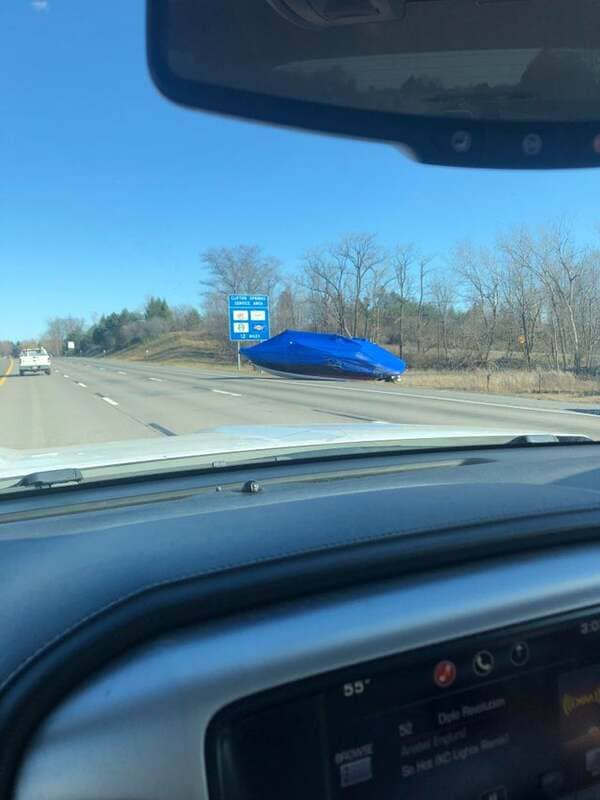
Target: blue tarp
[324, 355]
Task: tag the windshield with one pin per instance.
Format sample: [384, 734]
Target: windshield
[175, 283]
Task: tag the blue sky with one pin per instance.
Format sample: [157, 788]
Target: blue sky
[110, 193]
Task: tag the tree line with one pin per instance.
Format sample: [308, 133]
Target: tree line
[115, 331]
[530, 299]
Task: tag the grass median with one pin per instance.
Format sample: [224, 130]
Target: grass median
[543, 384]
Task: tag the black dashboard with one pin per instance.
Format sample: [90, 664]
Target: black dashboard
[409, 625]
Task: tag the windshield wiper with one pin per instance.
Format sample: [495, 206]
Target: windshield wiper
[332, 450]
[50, 477]
[548, 438]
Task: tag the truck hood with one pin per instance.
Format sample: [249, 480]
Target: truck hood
[218, 446]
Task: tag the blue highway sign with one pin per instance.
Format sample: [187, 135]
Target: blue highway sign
[248, 317]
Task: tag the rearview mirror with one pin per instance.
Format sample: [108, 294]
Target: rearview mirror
[487, 83]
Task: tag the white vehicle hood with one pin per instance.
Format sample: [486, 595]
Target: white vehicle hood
[258, 440]
[241, 440]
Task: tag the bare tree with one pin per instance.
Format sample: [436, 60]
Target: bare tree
[288, 310]
[373, 301]
[561, 264]
[325, 279]
[345, 277]
[359, 255]
[443, 296]
[423, 270]
[587, 307]
[345, 280]
[244, 269]
[521, 290]
[402, 263]
[482, 277]
[554, 259]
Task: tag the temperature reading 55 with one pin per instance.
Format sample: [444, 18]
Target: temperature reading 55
[356, 687]
[589, 626]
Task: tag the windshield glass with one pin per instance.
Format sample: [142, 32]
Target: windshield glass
[169, 274]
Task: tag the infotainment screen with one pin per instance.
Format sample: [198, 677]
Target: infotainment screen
[505, 716]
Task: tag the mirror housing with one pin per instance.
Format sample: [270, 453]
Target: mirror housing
[473, 83]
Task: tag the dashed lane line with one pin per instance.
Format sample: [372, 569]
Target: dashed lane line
[161, 429]
[153, 426]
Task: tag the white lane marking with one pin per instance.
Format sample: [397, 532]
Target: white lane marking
[120, 372]
[231, 394]
[158, 380]
[542, 410]
[110, 401]
[401, 394]
[82, 384]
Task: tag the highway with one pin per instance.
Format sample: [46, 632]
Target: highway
[101, 400]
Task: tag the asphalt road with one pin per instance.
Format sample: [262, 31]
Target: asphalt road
[88, 400]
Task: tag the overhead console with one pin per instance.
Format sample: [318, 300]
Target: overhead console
[511, 715]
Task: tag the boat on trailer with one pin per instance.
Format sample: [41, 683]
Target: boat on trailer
[324, 356]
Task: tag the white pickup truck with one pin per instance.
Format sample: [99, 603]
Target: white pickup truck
[34, 360]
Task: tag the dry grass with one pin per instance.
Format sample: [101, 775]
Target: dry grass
[546, 384]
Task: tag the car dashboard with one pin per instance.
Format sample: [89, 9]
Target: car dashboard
[402, 625]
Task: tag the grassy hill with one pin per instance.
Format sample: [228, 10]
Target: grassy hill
[186, 348]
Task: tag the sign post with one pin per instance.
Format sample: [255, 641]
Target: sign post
[248, 319]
